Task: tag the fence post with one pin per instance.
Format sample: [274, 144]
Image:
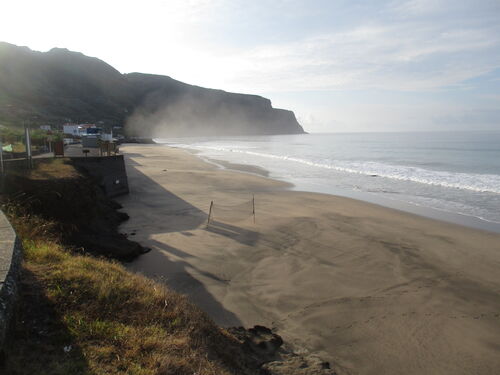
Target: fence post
[2, 168]
[253, 204]
[1, 158]
[210, 212]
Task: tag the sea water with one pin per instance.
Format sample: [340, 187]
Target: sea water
[453, 176]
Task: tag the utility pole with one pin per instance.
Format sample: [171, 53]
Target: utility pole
[28, 146]
[1, 158]
[2, 174]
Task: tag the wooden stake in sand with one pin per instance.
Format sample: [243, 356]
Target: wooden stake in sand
[253, 205]
[210, 212]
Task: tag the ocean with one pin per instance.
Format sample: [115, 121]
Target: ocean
[452, 176]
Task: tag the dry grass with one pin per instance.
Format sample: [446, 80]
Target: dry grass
[18, 147]
[121, 322]
[29, 227]
[109, 320]
[53, 168]
[46, 169]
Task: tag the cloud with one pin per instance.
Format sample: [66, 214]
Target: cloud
[394, 57]
[284, 45]
[416, 45]
[416, 7]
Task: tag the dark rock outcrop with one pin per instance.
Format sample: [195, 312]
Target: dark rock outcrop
[61, 85]
[263, 349]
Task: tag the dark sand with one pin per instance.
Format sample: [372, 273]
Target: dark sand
[371, 289]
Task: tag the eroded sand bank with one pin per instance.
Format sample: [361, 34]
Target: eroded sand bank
[373, 290]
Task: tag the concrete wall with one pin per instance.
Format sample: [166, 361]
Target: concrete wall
[109, 171]
[10, 266]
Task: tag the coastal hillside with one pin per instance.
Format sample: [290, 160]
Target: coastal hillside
[60, 86]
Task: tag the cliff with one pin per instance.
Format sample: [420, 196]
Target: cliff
[60, 85]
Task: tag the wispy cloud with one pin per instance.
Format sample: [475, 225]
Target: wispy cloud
[384, 54]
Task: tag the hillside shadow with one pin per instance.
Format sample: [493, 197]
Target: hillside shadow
[243, 236]
[177, 275]
[38, 340]
[130, 155]
[164, 212]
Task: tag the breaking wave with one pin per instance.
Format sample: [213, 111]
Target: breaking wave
[468, 181]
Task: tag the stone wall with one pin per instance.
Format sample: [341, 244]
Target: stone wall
[10, 264]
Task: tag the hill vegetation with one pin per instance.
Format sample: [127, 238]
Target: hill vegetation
[62, 86]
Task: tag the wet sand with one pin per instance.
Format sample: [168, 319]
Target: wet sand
[371, 289]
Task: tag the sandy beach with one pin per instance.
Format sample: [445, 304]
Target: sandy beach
[370, 289]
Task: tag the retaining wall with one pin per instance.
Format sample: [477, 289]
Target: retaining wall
[10, 266]
[108, 170]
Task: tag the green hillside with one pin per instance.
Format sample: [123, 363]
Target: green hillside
[60, 86]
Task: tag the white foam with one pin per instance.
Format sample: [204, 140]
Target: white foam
[466, 181]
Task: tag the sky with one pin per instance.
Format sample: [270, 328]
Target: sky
[341, 66]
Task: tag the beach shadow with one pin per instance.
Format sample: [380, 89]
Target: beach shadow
[243, 236]
[169, 249]
[177, 276]
[128, 158]
[164, 212]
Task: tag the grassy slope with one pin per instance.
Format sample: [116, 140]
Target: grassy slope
[80, 314]
[109, 320]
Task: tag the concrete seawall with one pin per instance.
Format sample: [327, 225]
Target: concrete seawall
[109, 171]
[10, 265]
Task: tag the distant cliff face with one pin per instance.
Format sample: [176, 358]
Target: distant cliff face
[60, 85]
[172, 108]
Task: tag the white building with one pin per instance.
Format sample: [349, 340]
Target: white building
[45, 127]
[71, 129]
[77, 130]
